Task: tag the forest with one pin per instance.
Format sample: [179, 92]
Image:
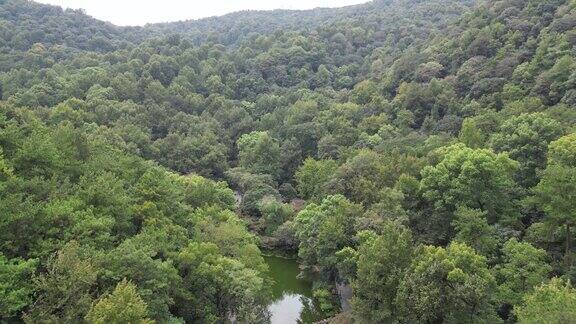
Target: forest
[421, 152]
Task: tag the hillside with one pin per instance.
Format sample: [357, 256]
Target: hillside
[421, 152]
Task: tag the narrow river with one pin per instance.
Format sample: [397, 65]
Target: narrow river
[291, 297]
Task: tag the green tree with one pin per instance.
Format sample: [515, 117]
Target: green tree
[5, 170]
[556, 192]
[382, 263]
[523, 268]
[362, 177]
[390, 206]
[200, 191]
[157, 280]
[123, 305]
[447, 285]
[274, 213]
[312, 176]
[253, 188]
[471, 134]
[554, 303]
[472, 229]
[364, 91]
[323, 76]
[526, 138]
[228, 231]
[259, 153]
[16, 286]
[473, 178]
[64, 291]
[217, 286]
[324, 230]
[199, 153]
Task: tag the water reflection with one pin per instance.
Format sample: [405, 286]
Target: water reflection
[291, 297]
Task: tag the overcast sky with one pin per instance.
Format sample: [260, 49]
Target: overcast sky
[140, 12]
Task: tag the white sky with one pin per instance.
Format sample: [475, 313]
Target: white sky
[140, 12]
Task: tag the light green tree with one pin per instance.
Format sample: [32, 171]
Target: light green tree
[217, 286]
[471, 135]
[123, 305]
[526, 138]
[472, 178]
[312, 176]
[64, 290]
[551, 303]
[274, 213]
[324, 230]
[259, 153]
[523, 268]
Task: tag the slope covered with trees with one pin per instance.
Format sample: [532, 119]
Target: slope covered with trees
[422, 152]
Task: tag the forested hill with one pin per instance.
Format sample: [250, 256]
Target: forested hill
[25, 23]
[65, 32]
[421, 151]
[382, 16]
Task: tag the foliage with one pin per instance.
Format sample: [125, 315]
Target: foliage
[549, 303]
[325, 299]
[325, 229]
[556, 192]
[526, 138]
[472, 229]
[274, 213]
[65, 290]
[16, 288]
[312, 176]
[469, 178]
[451, 285]
[523, 268]
[382, 264]
[123, 305]
[421, 145]
[259, 153]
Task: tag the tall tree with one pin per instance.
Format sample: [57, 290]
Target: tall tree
[324, 230]
[451, 285]
[472, 178]
[123, 305]
[382, 263]
[523, 268]
[556, 192]
[554, 302]
[260, 153]
[526, 138]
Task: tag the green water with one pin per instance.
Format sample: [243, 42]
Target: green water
[291, 297]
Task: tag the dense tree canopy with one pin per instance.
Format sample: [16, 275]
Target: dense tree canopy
[421, 152]
[469, 178]
[557, 190]
[549, 303]
[452, 285]
[382, 263]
